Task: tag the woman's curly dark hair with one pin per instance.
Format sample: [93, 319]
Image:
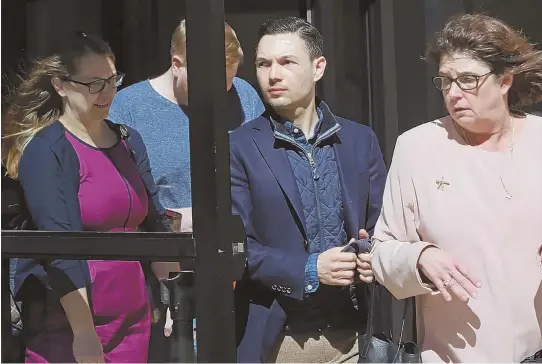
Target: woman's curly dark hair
[500, 47]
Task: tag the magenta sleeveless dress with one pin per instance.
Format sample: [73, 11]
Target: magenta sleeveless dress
[112, 197]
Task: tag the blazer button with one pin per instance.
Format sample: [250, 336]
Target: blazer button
[288, 290]
[274, 287]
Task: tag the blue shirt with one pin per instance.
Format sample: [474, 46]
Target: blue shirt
[164, 127]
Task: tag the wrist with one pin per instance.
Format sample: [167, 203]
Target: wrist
[419, 264]
[311, 274]
[84, 330]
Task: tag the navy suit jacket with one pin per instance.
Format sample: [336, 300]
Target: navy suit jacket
[265, 195]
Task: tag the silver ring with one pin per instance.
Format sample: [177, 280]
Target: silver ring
[448, 283]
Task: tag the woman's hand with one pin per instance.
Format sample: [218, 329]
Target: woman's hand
[87, 347]
[447, 274]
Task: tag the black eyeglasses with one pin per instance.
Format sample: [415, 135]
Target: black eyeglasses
[98, 86]
[465, 82]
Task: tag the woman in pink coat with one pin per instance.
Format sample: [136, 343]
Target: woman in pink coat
[461, 224]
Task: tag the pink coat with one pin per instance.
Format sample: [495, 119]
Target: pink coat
[496, 238]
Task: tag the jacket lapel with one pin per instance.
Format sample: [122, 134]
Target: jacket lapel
[278, 163]
[349, 177]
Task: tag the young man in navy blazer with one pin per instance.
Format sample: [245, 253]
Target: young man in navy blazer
[305, 182]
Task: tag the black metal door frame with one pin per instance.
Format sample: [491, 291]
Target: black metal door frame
[210, 169]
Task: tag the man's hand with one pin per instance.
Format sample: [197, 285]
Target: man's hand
[336, 268]
[447, 274]
[363, 234]
[363, 262]
[364, 267]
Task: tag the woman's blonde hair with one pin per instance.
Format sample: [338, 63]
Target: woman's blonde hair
[234, 52]
[35, 104]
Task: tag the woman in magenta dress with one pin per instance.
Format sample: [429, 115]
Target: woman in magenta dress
[80, 173]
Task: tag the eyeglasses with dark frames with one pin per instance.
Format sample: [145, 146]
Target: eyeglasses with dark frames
[99, 85]
[465, 82]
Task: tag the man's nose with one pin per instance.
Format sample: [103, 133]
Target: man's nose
[274, 72]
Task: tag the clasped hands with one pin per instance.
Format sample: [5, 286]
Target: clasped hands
[337, 268]
[437, 267]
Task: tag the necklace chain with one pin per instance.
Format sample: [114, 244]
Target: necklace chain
[508, 194]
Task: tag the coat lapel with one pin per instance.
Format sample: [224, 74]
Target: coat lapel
[349, 177]
[278, 163]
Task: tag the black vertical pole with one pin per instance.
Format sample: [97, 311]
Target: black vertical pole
[211, 199]
[383, 65]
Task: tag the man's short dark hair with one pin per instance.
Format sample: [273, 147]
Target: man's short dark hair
[311, 36]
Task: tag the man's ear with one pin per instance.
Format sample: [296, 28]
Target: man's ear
[58, 85]
[176, 63]
[319, 68]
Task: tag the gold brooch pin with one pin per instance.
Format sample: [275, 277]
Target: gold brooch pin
[442, 183]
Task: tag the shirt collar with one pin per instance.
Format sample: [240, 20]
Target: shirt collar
[327, 123]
